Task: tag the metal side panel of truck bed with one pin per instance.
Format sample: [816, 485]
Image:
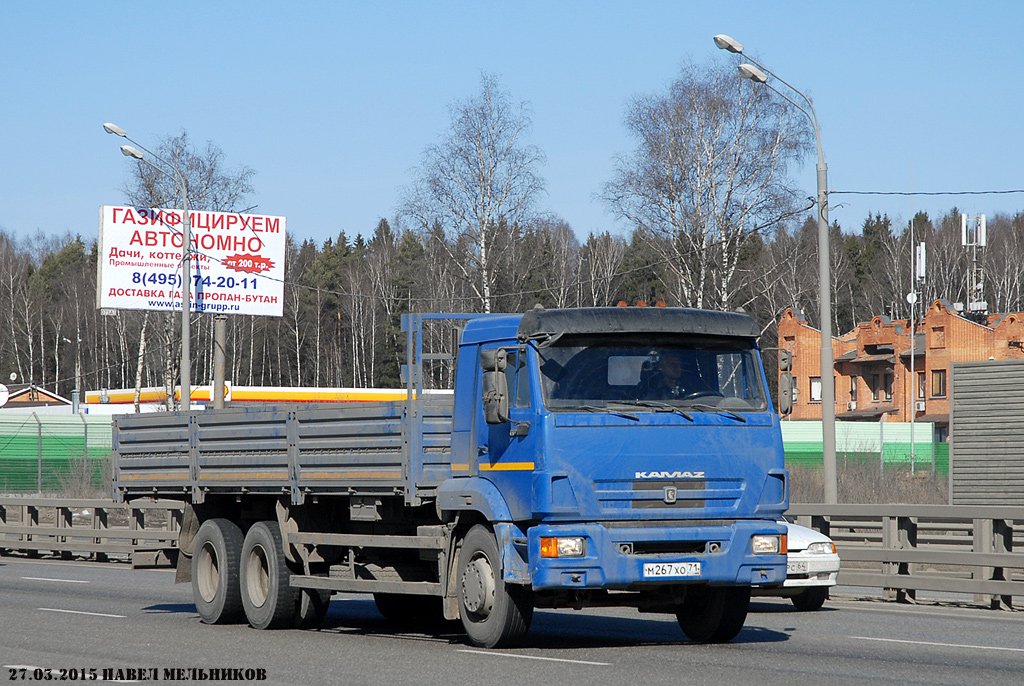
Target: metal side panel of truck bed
[301, 450]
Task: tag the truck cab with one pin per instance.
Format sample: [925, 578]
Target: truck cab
[625, 456]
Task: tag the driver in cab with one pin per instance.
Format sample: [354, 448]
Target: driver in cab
[669, 381]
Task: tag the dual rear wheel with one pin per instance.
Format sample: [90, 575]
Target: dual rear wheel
[236, 577]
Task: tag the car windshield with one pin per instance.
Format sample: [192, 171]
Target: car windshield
[691, 373]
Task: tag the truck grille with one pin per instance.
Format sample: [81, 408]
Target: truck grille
[666, 494]
[649, 493]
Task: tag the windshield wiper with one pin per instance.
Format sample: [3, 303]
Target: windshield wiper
[664, 407]
[608, 410]
[714, 408]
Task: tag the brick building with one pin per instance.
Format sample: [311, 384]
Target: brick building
[873, 363]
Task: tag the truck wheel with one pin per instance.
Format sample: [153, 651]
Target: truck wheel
[269, 600]
[494, 614]
[714, 615]
[810, 599]
[215, 564]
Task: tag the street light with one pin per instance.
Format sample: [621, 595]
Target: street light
[760, 74]
[186, 257]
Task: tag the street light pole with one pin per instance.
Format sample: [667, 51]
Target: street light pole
[186, 260]
[828, 386]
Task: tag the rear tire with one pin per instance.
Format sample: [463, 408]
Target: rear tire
[269, 600]
[714, 615]
[215, 568]
[494, 614]
[811, 599]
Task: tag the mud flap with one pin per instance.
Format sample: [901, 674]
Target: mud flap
[512, 543]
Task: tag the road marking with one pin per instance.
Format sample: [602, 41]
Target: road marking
[76, 612]
[534, 657]
[939, 645]
[63, 581]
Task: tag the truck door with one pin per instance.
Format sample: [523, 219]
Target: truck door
[507, 452]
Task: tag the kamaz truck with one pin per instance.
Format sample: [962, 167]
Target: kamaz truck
[622, 456]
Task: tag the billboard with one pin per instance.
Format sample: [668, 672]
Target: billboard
[237, 261]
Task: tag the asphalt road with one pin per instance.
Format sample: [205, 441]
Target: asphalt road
[90, 617]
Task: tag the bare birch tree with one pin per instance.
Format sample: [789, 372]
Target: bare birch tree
[710, 167]
[480, 177]
[601, 260]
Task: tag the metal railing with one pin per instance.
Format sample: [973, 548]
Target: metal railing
[901, 549]
[904, 549]
[143, 531]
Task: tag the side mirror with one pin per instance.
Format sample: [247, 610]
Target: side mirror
[495, 396]
[785, 360]
[493, 360]
[785, 393]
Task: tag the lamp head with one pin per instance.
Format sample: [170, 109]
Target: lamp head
[724, 42]
[115, 129]
[749, 71]
[129, 151]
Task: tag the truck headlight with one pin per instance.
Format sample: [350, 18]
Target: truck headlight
[768, 544]
[574, 546]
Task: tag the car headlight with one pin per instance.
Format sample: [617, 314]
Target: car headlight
[574, 546]
[768, 544]
[822, 548]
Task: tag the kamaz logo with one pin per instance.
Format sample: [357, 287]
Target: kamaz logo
[669, 475]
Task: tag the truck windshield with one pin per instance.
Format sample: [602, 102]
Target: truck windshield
[695, 373]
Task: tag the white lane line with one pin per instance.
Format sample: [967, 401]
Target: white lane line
[939, 645]
[62, 581]
[534, 657]
[76, 612]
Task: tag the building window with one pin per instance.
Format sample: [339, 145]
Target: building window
[920, 386]
[938, 337]
[815, 389]
[853, 389]
[938, 383]
[875, 386]
[887, 381]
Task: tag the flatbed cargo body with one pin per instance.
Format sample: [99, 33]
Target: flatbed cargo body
[296, 450]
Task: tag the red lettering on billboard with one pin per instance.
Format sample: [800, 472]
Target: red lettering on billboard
[252, 264]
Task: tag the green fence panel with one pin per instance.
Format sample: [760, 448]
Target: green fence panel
[53, 453]
[889, 442]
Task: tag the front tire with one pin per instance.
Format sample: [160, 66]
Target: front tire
[714, 615]
[810, 599]
[493, 613]
[269, 600]
[215, 568]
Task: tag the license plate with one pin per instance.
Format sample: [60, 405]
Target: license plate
[670, 569]
[796, 568]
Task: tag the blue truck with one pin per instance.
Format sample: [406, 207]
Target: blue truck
[585, 457]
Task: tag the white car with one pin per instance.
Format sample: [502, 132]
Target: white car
[813, 566]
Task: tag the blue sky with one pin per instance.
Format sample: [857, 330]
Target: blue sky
[332, 103]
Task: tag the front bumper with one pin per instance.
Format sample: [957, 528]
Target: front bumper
[806, 569]
[616, 553]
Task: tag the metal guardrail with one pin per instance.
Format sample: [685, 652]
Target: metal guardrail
[143, 531]
[901, 549]
[904, 549]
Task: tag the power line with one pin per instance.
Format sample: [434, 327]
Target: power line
[1006, 192]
